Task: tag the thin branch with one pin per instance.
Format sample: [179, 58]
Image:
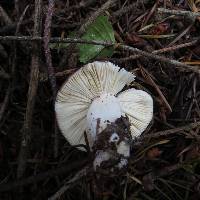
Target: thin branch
[174, 130]
[83, 28]
[147, 76]
[125, 10]
[189, 14]
[148, 179]
[4, 16]
[176, 47]
[92, 18]
[5, 103]
[51, 71]
[55, 40]
[129, 8]
[179, 65]
[11, 27]
[46, 40]
[9, 90]
[31, 93]
[95, 42]
[82, 173]
[179, 36]
[159, 51]
[42, 176]
[175, 63]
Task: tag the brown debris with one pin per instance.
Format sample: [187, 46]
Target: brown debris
[158, 41]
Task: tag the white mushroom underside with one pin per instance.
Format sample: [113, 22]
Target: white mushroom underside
[75, 98]
[138, 106]
[78, 92]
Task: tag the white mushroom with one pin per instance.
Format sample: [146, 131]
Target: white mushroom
[90, 99]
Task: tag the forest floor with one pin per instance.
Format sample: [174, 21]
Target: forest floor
[157, 40]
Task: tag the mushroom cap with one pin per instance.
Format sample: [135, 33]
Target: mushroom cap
[78, 92]
[92, 93]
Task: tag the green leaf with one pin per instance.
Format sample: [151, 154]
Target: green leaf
[106, 52]
[100, 30]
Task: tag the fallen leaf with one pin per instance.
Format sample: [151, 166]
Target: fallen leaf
[100, 30]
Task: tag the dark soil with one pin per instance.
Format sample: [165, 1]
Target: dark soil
[36, 161]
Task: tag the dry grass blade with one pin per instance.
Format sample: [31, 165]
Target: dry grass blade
[82, 173]
[156, 40]
[177, 64]
[150, 81]
[4, 16]
[174, 130]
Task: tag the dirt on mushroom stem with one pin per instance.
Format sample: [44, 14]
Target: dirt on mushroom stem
[108, 142]
[105, 174]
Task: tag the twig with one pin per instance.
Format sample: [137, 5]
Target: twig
[128, 8]
[9, 90]
[46, 40]
[31, 93]
[181, 35]
[147, 76]
[151, 12]
[17, 34]
[189, 14]
[5, 103]
[11, 27]
[55, 40]
[92, 18]
[69, 184]
[172, 62]
[39, 177]
[176, 47]
[128, 58]
[124, 10]
[82, 4]
[175, 63]
[95, 42]
[148, 179]
[5, 16]
[66, 72]
[159, 51]
[174, 130]
[83, 28]
[51, 71]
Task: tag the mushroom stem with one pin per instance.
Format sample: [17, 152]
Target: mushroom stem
[112, 145]
[103, 111]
